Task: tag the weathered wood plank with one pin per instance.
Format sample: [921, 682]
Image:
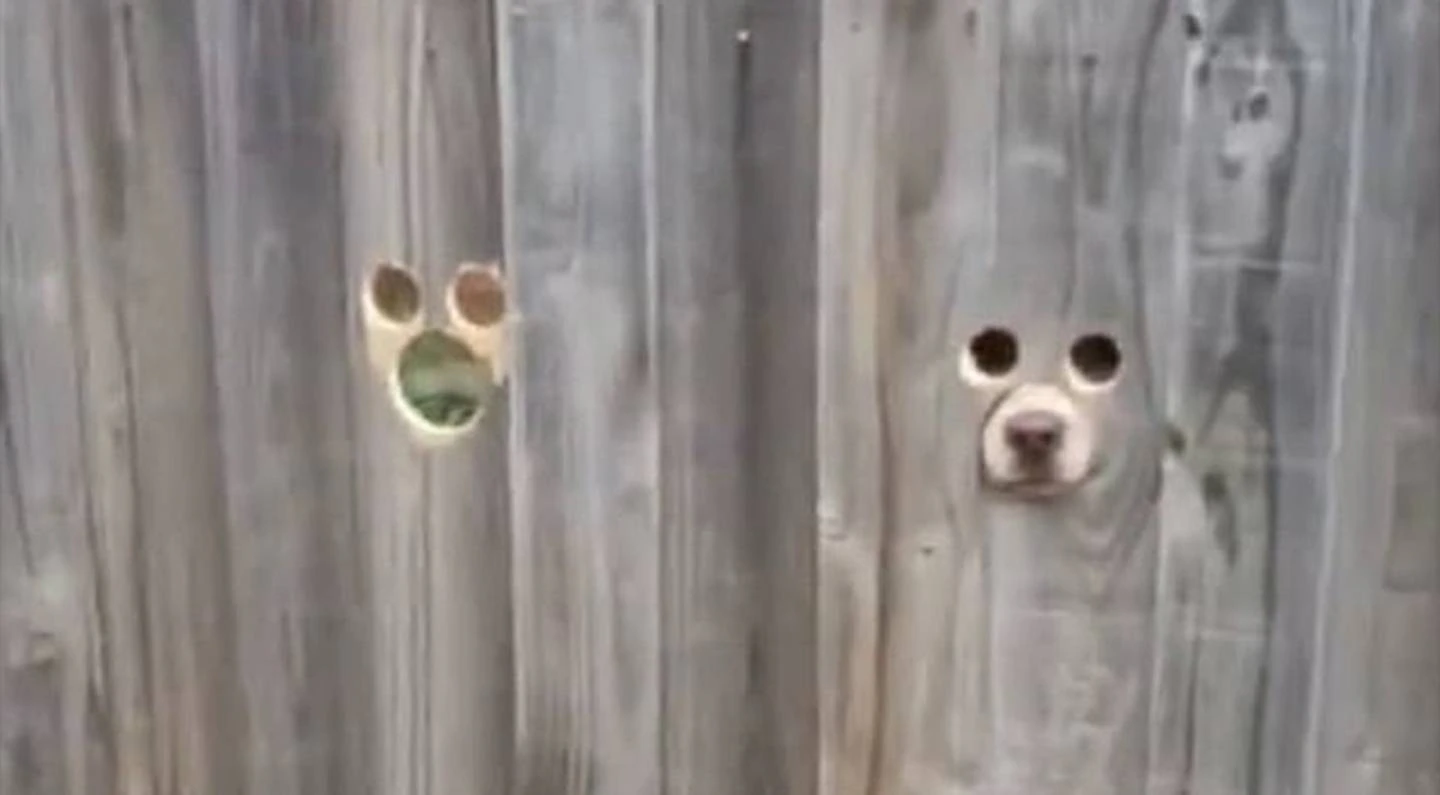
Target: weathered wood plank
[138, 109]
[916, 694]
[263, 587]
[777, 159]
[850, 452]
[578, 84]
[121, 676]
[162, 689]
[728, 286]
[378, 106]
[471, 679]
[1254, 286]
[708, 584]
[1266, 164]
[420, 143]
[277, 297]
[1073, 587]
[1376, 706]
[48, 742]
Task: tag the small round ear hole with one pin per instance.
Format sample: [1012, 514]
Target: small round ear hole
[442, 384]
[394, 292]
[993, 352]
[1095, 359]
[479, 296]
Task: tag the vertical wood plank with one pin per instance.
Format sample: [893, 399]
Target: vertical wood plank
[708, 587]
[166, 681]
[379, 42]
[578, 81]
[421, 186]
[1254, 285]
[455, 209]
[848, 437]
[777, 131]
[1269, 192]
[91, 109]
[1236, 180]
[48, 742]
[1073, 586]
[728, 287]
[1377, 716]
[278, 295]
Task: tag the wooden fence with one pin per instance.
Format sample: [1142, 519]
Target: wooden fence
[722, 533]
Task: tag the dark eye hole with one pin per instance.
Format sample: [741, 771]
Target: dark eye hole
[994, 351]
[1095, 358]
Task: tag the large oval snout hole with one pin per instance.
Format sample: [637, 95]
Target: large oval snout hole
[395, 293]
[1095, 359]
[479, 295]
[442, 381]
[994, 352]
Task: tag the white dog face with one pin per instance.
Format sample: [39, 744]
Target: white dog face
[1041, 438]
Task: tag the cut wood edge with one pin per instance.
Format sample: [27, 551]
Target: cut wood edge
[426, 433]
[478, 308]
[392, 313]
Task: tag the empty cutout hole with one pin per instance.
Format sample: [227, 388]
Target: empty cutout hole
[1095, 358]
[995, 351]
[395, 293]
[443, 380]
[479, 296]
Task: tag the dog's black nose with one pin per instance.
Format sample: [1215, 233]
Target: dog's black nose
[1034, 434]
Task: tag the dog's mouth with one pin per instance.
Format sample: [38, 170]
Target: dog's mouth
[1039, 484]
[1035, 487]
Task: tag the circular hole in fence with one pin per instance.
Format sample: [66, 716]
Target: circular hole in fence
[1095, 359]
[479, 295]
[994, 352]
[442, 381]
[395, 293]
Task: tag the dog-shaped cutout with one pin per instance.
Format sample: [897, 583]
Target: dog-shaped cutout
[1076, 534]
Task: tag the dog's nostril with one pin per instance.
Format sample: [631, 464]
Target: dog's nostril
[1034, 433]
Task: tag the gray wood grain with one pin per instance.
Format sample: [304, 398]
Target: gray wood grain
[152, 701]
[747, 242]
[659, 233]
[850, 449]
[927, 627]
[417, 115]
[1377, 718]
[278, 286]
[776, 156]
[1240, 282]
[733, 257]
[586, 457]
[47, 742]
[1073, 590]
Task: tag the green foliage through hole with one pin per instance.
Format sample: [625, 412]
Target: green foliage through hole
[443, 380]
